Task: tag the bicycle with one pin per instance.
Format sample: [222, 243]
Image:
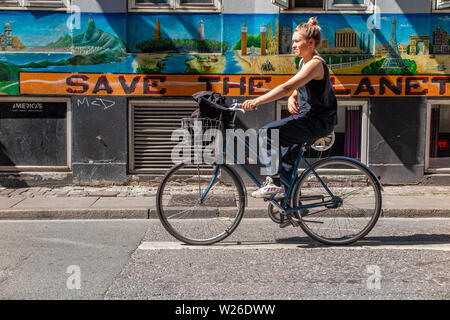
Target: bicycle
[336, 200]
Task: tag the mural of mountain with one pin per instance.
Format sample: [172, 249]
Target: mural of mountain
[63, 42]
[98, 40]
[93, 46]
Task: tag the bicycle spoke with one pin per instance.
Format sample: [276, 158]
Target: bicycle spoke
[345, 196]
[178, 213]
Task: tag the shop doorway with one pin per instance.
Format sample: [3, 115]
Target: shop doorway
[351, 132]
[437, 157]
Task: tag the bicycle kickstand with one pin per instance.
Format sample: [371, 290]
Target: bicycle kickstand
[289, 221]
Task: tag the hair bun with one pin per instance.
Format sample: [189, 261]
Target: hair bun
[313, 21]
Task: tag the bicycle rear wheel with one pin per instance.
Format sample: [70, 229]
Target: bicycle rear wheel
[356, 214]
[193, 216]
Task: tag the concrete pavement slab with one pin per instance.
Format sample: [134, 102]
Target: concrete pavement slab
[104, 193]
[416, 213]
[414, 202]
[6, 203]
[56, 203]
[129, 202]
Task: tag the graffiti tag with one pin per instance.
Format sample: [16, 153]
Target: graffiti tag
[98, 102]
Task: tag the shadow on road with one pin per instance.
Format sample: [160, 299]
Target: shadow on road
[415, 239]
[306, 242]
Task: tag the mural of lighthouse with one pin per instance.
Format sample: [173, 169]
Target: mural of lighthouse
[157, 31]
[244, 40]
[8, 42]
[6, 39]
[201, 31]
[263, 39]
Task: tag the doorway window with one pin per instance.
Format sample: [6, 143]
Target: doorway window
[439, 137]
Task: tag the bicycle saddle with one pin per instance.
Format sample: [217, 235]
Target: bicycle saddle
[324, 143]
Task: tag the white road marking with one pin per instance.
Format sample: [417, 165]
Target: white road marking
[366, 245]
[70, 242]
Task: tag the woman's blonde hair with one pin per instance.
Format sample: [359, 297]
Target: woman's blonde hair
[310, 30]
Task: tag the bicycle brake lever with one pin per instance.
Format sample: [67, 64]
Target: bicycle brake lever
[236, 107]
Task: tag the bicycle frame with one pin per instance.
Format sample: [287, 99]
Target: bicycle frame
[287, 183]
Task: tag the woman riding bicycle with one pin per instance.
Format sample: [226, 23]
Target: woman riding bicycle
[208, 205]
[312, 105]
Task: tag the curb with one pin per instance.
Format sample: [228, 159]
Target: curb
[146, 213]
[87, 213]
[416, 213]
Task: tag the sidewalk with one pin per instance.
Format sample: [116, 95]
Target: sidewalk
[138, 202]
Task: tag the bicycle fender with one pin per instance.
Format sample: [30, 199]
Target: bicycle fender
[343, 158]
[365, 167]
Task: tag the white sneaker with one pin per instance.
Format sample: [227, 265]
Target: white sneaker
[267, 189]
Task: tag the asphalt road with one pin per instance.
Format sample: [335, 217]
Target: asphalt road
[137, 259]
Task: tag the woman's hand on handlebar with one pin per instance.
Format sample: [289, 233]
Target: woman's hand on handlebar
[250, 104]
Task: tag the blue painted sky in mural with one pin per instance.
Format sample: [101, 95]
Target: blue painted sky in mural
[442, 21]
[233, 23]
[37, 28]
[179, 26]
[41, 28]
[330, 24]
[112, 23]
[407, 25]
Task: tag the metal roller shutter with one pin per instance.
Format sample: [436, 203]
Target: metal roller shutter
[151, 127]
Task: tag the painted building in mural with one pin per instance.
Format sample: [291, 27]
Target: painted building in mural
[100, 89]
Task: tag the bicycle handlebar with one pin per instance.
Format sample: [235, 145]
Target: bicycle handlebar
[235, 106]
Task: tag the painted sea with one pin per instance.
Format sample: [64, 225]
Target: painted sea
[22, 58]
[231, 65]
[176, 63]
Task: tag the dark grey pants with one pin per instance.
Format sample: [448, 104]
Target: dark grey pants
[293, 132]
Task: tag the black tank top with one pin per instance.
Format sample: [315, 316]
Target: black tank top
[317, 97]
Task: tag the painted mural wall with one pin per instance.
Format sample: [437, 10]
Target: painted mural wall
[34, 46]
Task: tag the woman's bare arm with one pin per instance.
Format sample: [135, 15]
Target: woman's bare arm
[310, 71]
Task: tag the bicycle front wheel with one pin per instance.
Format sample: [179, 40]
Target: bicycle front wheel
[359, 201]
[200, 204]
